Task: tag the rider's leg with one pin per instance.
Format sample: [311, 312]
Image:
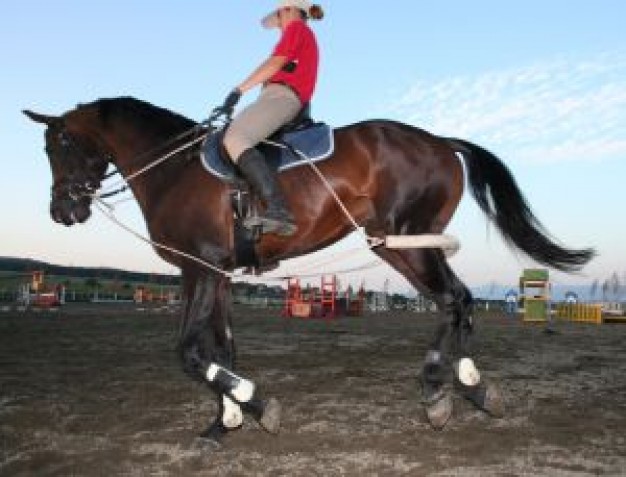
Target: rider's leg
[276, 218]
[276, 106]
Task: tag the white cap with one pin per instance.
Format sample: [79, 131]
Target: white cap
[271, 19]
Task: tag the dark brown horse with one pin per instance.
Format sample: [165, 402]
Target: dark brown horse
[392, 178]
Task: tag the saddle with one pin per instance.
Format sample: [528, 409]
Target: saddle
[295, 144]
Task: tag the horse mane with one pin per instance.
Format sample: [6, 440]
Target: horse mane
[145, 115]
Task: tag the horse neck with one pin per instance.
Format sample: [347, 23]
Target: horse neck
[135, 156]
[134, 134]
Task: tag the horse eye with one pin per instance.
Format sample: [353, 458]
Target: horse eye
[63, 139]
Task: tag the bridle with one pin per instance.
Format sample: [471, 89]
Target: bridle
[82, 180]
[88, 186]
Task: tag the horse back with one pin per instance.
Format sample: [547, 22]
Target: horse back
[388, 176]
[399, 165]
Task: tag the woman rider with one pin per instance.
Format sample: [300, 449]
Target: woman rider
[288, 77]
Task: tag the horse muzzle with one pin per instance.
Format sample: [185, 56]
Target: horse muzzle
[68, 211]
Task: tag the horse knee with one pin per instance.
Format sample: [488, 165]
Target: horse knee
[197, 350]
[193, 363]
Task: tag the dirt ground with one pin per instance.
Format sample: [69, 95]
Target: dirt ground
[99, 392]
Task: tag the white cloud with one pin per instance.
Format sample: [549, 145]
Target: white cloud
[555, 111]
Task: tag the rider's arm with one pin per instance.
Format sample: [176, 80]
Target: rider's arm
[264, 72]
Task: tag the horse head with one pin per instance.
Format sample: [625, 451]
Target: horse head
[78, 167]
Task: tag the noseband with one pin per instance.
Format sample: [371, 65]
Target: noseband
[86, 186]
[81, 181]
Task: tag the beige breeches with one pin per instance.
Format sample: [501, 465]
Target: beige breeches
[276, 106]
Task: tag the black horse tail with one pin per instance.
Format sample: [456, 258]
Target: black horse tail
[494, 188]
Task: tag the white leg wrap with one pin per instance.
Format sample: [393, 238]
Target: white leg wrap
[466, 372]
[211, 373]
[241, 389]
[232, 417]
[433, 356]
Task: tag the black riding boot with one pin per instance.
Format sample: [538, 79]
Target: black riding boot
[276, 218]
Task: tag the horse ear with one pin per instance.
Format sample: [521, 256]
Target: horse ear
[42, 118]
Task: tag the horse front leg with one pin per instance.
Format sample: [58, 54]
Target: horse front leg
[207, 351]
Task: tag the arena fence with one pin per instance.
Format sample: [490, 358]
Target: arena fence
[579, 312]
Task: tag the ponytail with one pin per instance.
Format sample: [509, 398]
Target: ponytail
[316, 12]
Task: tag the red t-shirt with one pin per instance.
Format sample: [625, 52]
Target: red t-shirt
[298, 44]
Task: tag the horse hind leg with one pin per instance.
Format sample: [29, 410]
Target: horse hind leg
[422, 268]
[484, 394]
[458, 322]
[458, 303]
[428, 271]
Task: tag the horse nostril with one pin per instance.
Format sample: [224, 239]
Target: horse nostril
[55, 213]
[81, 214]
[61, 212]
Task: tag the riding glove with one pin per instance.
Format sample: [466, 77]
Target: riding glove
[230, 102]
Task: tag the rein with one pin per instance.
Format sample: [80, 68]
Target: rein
[372, 242]
[108, 210]
[122, 184]
[89, 187]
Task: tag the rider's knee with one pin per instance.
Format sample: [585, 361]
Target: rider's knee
[235, 144]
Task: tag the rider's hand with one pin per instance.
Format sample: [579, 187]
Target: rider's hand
[230, 102]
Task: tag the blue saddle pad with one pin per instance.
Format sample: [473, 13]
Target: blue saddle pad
[316, 142]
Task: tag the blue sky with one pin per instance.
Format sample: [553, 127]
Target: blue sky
[540, 83]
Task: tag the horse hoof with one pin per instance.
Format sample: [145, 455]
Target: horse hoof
[213, 435]
[494, 404]
[439, 412]
[270, 419]
[485, 397]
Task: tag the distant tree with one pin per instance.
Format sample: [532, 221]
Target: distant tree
[350, 291]
[398, 297]
[593, 290]
[615, 286]
[605, 289]
[92, 282]
[398, 300]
